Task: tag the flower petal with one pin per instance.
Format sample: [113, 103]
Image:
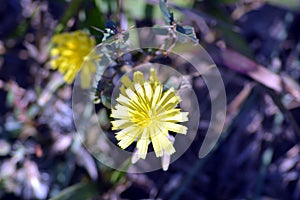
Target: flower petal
[142, 144]
[179, 117]
[121, 124]
[177, 128]
[146, 114]
[138, 77]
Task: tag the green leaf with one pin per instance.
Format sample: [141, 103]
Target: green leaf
[188, 31]
[103, 118]
[228, 1]
[94, 18]
[69, 13]
[102, 5]
[292, 4]
[79, 191]
[32, 111]
[117, 176]
[21, 28]
[106, 100]
[185, 3]
[160, 31]
[149, 10]
[168, 16]
[24, 24]
[134, 8]
[10, 97]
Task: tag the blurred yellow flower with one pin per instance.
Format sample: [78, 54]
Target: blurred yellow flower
[145, 113]
[69, 51]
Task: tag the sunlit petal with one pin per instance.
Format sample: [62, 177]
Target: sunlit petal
[69, 51]
[145, 113]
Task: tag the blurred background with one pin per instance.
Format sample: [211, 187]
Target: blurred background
[256, 46]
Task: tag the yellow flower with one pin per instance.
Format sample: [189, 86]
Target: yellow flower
[145, 113]
[70, 50]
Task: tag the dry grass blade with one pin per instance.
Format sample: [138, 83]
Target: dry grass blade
[244, 65]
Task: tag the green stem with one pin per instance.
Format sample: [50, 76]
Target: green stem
[70, 12]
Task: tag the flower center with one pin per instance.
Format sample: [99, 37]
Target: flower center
[144, 118]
